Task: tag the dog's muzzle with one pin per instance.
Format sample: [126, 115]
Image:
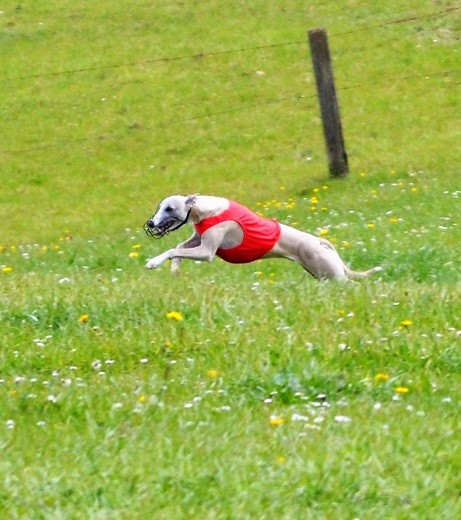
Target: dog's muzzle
[165, 227]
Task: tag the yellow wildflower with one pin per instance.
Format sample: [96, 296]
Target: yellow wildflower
[371, 225]
[6, 269]
[136, 246]
[281, 459]
[276, 421]
[175, 315]
[323, 232]
[381, 377]
[212, 373]
[402, 390]
[84, 318]
[406, 323]
[134, 254]
[142, 399]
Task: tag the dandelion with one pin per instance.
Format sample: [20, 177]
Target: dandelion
[323, 232]
[402, 390]
[136, 247]
[406, 323]
[371, 225]
[213, 374]
[84, 318]
[134, 254]
[276, 421]
[393, 220]
[6, 269]
[175, 315]
[142, 399]
[281, 459]
[381, 377]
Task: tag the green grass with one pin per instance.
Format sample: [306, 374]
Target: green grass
[266, 400]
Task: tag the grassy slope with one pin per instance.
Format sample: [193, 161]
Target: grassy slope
[148, 431]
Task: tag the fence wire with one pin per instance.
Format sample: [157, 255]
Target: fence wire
[34, 146]
[201, 55]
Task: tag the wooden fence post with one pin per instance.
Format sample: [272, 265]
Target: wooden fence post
[337, 156]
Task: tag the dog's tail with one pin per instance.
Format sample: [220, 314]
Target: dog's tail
[362, 274]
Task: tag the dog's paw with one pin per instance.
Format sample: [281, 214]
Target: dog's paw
[149, 264]
[153, 263]
[175, 269]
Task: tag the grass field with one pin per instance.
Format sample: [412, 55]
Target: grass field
[228, 392]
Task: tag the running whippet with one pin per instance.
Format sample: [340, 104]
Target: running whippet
[237, 235]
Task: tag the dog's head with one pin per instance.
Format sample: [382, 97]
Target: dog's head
[172, 213]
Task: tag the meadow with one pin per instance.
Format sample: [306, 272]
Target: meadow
[228, 392]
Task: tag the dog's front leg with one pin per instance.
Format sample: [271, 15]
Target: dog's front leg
[193, 241]
[204, 251]
[157, 261]
[200, 252]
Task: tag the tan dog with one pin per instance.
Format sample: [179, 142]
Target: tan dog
[234, 233]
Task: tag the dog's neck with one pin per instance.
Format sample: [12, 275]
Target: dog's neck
[206, 206]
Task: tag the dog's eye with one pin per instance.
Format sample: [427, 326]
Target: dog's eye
[168, 209]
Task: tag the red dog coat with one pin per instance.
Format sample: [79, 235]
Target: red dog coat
[259, 234]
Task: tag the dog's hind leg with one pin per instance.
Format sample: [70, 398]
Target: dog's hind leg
[321, 260]
[349, 273]
[316, 255]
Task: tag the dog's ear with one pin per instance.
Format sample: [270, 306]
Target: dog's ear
[191, 200]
